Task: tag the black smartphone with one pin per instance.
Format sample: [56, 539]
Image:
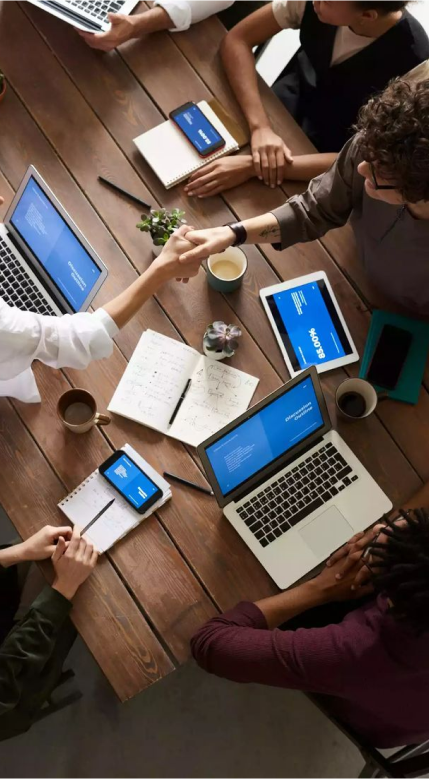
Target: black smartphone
[197, 128]
[135, 486]
[389, 356]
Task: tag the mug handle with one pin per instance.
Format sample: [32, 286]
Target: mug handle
[102, 419]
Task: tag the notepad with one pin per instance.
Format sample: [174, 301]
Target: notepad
[172, 157]
[156, 377]
[84, 503]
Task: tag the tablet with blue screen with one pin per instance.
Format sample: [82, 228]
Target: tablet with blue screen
[308, 324]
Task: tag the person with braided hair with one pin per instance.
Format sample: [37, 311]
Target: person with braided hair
[357, 634]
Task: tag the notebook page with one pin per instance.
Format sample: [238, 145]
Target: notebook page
[171, 155]
[154, 380]
[218, 394]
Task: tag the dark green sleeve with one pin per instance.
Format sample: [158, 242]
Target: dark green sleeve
[27, 648]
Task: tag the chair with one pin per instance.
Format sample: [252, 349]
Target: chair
[406, 762]
[51, 706]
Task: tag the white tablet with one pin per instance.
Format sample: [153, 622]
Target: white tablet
[308, 324]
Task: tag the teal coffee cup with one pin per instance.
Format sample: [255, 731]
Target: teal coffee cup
[225, 271]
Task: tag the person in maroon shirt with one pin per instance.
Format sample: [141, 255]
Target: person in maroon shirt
[357, 634]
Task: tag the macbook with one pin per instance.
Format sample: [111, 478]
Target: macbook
[288, 482]
[88, 15]
[46, 264]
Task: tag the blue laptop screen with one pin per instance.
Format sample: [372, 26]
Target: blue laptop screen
[267, 435]
[55, 246]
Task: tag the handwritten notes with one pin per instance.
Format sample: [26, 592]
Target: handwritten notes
[156, 378]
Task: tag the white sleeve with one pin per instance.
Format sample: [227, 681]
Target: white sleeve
[183, 13]
[288, 13]
[73, 340]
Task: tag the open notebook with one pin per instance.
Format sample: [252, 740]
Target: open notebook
[156, 377]
[172, 157]
[84, 503]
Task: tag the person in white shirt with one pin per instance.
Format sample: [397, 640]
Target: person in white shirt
[74, 340]
[172, 15]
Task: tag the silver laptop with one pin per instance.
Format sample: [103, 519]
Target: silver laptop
[88, 15]
[288, 482]
[46, 264]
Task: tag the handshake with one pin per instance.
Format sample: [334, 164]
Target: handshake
[184, 252]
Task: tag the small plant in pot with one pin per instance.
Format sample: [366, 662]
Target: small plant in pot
[220, 340]
[2, 86]
[161, 224]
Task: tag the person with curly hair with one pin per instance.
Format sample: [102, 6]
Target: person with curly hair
[380, 182]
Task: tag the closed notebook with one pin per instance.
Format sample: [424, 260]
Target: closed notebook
[170, 154]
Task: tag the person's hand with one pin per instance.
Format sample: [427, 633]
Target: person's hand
[122, 29]
[220, 175]
[347, 556]
[73, 563]
[270, 156]
[42, 544]
[168, 261]
[332, 588]
[207, 242]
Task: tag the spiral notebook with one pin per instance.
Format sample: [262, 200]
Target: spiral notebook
[172, 157]
[84, 503]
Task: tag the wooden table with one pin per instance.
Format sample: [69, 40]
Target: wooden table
[73, 112]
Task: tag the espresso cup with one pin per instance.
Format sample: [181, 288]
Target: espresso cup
[356, 398]
[77, 410]
[225, 271]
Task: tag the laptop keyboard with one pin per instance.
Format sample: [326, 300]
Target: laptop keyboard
[297, 494]
[98, 9]
[17, 288]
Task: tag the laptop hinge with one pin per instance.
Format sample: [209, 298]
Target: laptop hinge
[21, 251]
[267, 476]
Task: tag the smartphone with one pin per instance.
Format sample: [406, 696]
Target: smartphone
[135, 486]
[389, 356]
[198, 130]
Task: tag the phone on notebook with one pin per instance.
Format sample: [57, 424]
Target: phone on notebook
[130, 481]
[199, 131]
[389, 356]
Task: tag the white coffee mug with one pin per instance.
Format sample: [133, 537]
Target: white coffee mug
[356, 398]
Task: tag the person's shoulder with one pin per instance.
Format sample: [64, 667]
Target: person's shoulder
[416, 35]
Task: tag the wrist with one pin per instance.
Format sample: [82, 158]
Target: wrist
[66, 589]
[316, 593]
[159, 271]
[259, 124]
[12, 555]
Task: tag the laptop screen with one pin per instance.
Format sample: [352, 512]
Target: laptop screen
[267, 435]
[55, 246]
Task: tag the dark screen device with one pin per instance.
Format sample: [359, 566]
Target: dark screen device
[197, 128]
[135, 486]
[389, 356]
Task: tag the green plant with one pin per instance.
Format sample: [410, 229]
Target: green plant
[161, 224]
[222, 337]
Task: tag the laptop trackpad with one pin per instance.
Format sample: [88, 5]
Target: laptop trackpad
[327, 532]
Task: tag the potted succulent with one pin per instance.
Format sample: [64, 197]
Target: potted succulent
[161, 224]
[220, 340]
[2, 86]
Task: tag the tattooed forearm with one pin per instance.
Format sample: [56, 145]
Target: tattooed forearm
[272, 232]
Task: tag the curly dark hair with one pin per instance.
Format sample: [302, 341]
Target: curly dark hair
[394, 130]
[383, 7]
[400, 568]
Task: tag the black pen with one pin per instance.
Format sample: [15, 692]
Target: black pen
[97, 516]
[124, 192]
[188, 483]
[180, 401]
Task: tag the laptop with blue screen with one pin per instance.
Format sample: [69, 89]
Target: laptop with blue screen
[288, 482]
[46, 263]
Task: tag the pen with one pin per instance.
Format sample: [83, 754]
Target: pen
[188, 483]
[124, 192]
[181, 399]
[97, 516]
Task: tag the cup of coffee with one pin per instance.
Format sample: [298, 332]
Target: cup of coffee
[77, 410]
[356, 398]
[225, 271]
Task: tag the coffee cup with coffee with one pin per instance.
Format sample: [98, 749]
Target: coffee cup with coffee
[356, 398]
[77, 410]
[225, 271]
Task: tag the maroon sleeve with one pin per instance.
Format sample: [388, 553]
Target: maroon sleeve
[237, 645]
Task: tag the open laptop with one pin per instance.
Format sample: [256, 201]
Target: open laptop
[46, 264]
[288, 482]
[88, 15]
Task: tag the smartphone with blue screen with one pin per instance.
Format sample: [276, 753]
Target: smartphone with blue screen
[135, 486]
[197, 128]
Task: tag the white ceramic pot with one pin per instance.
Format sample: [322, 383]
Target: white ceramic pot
[220, 355]
[156, 250]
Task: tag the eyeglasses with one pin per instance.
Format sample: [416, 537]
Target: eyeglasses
[374, 180]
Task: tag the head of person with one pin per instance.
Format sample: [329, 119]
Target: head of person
[357, 15]
[394, 132]
[399, 561]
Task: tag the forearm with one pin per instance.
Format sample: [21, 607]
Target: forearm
[239, 64]
[262, 229]
[12, 555]
[288, 604]
[308, 166]
[127, 304]
[153, 20]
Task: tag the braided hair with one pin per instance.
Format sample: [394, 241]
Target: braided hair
[400, 568]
